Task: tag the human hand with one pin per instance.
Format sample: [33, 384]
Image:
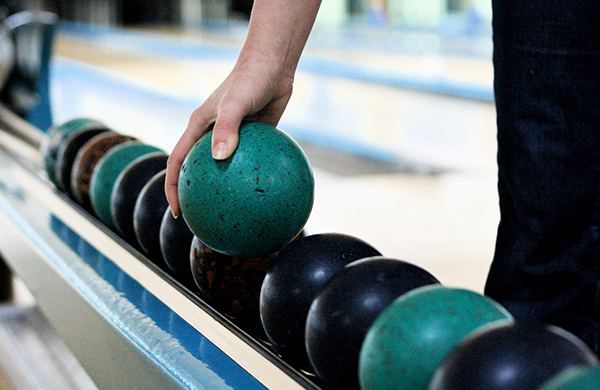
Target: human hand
[252, 91]
[258, 88]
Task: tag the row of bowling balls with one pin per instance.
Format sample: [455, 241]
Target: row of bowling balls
[120, 180]
[332, 305]
[329, 304]
[113, 176]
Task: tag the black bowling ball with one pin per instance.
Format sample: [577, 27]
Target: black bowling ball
[67, 152]
[175, 243]
[127, 188]
[514, 356]
[147, 217]
[341, 315]
[296, 276]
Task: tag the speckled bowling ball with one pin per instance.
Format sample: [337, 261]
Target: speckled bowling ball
[86, 160]
[432, 321]
[175, 242]
[106, 172]
[253, 203]
[54, 137]
[67, 153]
[148, 212]
[127, 188]
[231, 285]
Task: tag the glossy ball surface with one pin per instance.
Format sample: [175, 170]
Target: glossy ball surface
[296, 276]
[148, 212]
[105, 174]
[578, 379]
[345, 309]
[175, 243]
[86, 160]
[515, 356]
[127, 188]
[409, 340]
[253, 203]
[54, 137]
[67, 153]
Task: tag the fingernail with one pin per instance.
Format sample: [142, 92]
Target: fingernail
[220, 151]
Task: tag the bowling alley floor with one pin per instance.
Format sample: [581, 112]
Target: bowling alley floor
[408, 170]
[32, 355]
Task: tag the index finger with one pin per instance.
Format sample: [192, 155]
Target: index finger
[193, 132]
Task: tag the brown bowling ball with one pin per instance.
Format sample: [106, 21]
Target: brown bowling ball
[230, 285]
[87, 158]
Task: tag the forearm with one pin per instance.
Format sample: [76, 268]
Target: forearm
[278, 32]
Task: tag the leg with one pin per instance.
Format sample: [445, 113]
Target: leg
[547, 84]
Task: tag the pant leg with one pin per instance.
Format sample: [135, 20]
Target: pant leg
[547, 86]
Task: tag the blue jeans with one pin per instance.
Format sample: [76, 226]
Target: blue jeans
[547, 86]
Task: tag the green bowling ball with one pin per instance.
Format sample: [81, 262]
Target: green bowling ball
[107, 170]
[410, 338]
[253, 203]
[587, 378]
[54, 137]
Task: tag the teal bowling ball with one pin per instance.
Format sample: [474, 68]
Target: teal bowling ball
[413, 335]
[583, 378]
[255, 202]
[106, 172]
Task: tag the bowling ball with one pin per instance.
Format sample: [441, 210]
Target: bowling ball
[587, 378]
[231, 285]
[409, 340]
[253, 203]
[175, 243]
[296, 276]
[54, 137]
[511, 356]
[86, 160]
[148, 212]
[127, 188]
[66, 154]
[105, 174]
[343, 311]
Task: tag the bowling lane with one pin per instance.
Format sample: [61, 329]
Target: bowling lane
[323, 106]
[382, 136]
